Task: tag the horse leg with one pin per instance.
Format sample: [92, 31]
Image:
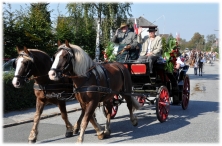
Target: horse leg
[107, 130]
[132, 104]
[76, 126]
[97, 127]
[34, 132]
[62, 107]
[89, 110]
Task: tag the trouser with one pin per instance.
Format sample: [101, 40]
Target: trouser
[195, 70]
[150, 59]
[200, 70]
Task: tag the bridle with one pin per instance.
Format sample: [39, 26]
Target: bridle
[68, 62]
[29, 66]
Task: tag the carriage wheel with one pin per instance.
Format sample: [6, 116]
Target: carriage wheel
[186, 92]
[114, 108]
[162, 104]
[141, 99]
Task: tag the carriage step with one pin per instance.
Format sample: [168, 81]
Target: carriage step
[152, 80]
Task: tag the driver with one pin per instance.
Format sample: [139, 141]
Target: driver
[126, 39]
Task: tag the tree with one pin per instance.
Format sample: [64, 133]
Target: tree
[110, 16]
[197, 42]
[29, 27]
[9, 33]
[211, 39]
[38, 27]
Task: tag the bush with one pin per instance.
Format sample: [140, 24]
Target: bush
[17, 98]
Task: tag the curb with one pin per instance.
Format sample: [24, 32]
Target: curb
[42, 117]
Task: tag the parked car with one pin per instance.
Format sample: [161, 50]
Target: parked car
[8, 66]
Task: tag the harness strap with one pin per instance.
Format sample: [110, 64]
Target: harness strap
[55, 88]
[93, 89]
[106, 75]
[101, 89]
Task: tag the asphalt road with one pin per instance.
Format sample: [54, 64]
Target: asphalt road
[199, 124]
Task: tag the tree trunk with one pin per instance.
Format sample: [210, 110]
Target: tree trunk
[97, 51]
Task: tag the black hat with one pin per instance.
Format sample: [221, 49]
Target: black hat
[152, 28]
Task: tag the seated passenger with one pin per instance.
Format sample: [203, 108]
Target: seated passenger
[151, 47]
[127, 44]
[179, 64]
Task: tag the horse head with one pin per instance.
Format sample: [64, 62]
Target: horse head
[23, 67]
[30, 62]
[69, 59]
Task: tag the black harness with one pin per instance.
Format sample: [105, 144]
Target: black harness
[97, 70]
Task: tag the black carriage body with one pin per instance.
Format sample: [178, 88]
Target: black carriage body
[148, 84]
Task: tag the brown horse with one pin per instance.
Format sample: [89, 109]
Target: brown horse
[36, 63]
[93, 83]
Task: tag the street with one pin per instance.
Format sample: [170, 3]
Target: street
[198, 124]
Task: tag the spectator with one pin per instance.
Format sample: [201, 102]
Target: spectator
[195, 67]
[200, 65]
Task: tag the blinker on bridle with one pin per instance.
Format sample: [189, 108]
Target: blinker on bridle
[26, 77]
[68, 62]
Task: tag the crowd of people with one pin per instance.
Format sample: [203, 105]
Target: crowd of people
[199, 58]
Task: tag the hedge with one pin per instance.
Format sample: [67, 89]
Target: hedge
[17, 98]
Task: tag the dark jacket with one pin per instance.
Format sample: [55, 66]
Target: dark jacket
[128, 38]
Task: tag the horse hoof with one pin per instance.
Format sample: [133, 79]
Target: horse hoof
[107, 133]
[135, 124]
[75, 131]
[69, 134]
[32, 141]
[101, 136]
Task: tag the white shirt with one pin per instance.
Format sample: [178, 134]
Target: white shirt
[180, 62]
[148, 49]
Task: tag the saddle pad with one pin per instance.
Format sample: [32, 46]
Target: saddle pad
[138, 69]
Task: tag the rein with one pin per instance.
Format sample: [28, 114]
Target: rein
[72, 77]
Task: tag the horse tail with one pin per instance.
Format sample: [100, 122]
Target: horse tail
[135, 103]
[127, 86]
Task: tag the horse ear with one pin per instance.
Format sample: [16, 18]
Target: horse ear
[18, 49]
[26, 50]
[67, 43]
[59, 43]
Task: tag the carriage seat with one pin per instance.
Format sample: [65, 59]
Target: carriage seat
[143, 67]
[160, 60]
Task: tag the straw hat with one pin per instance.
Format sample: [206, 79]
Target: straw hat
[123, 25]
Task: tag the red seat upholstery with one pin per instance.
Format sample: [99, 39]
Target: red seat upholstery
[138, 68]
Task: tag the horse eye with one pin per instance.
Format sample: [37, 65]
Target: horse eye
[66, 56]
[25, 63]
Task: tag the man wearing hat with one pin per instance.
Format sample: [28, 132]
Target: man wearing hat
[127, 43]
[151, 47]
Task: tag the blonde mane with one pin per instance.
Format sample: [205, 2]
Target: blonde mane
[81, 62]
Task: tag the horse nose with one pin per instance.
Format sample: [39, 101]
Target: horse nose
[16, 83]
[52, 75]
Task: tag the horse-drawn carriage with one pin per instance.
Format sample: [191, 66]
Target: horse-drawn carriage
[93, 83]
[160, 88]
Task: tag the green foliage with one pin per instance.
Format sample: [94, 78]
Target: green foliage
[168, 53]
[17, 99]
[109, 52]
[30, 27]
[110, 16]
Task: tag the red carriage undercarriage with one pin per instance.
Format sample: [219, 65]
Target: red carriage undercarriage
[161, 88]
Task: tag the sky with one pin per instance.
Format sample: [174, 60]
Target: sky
[183, 18]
